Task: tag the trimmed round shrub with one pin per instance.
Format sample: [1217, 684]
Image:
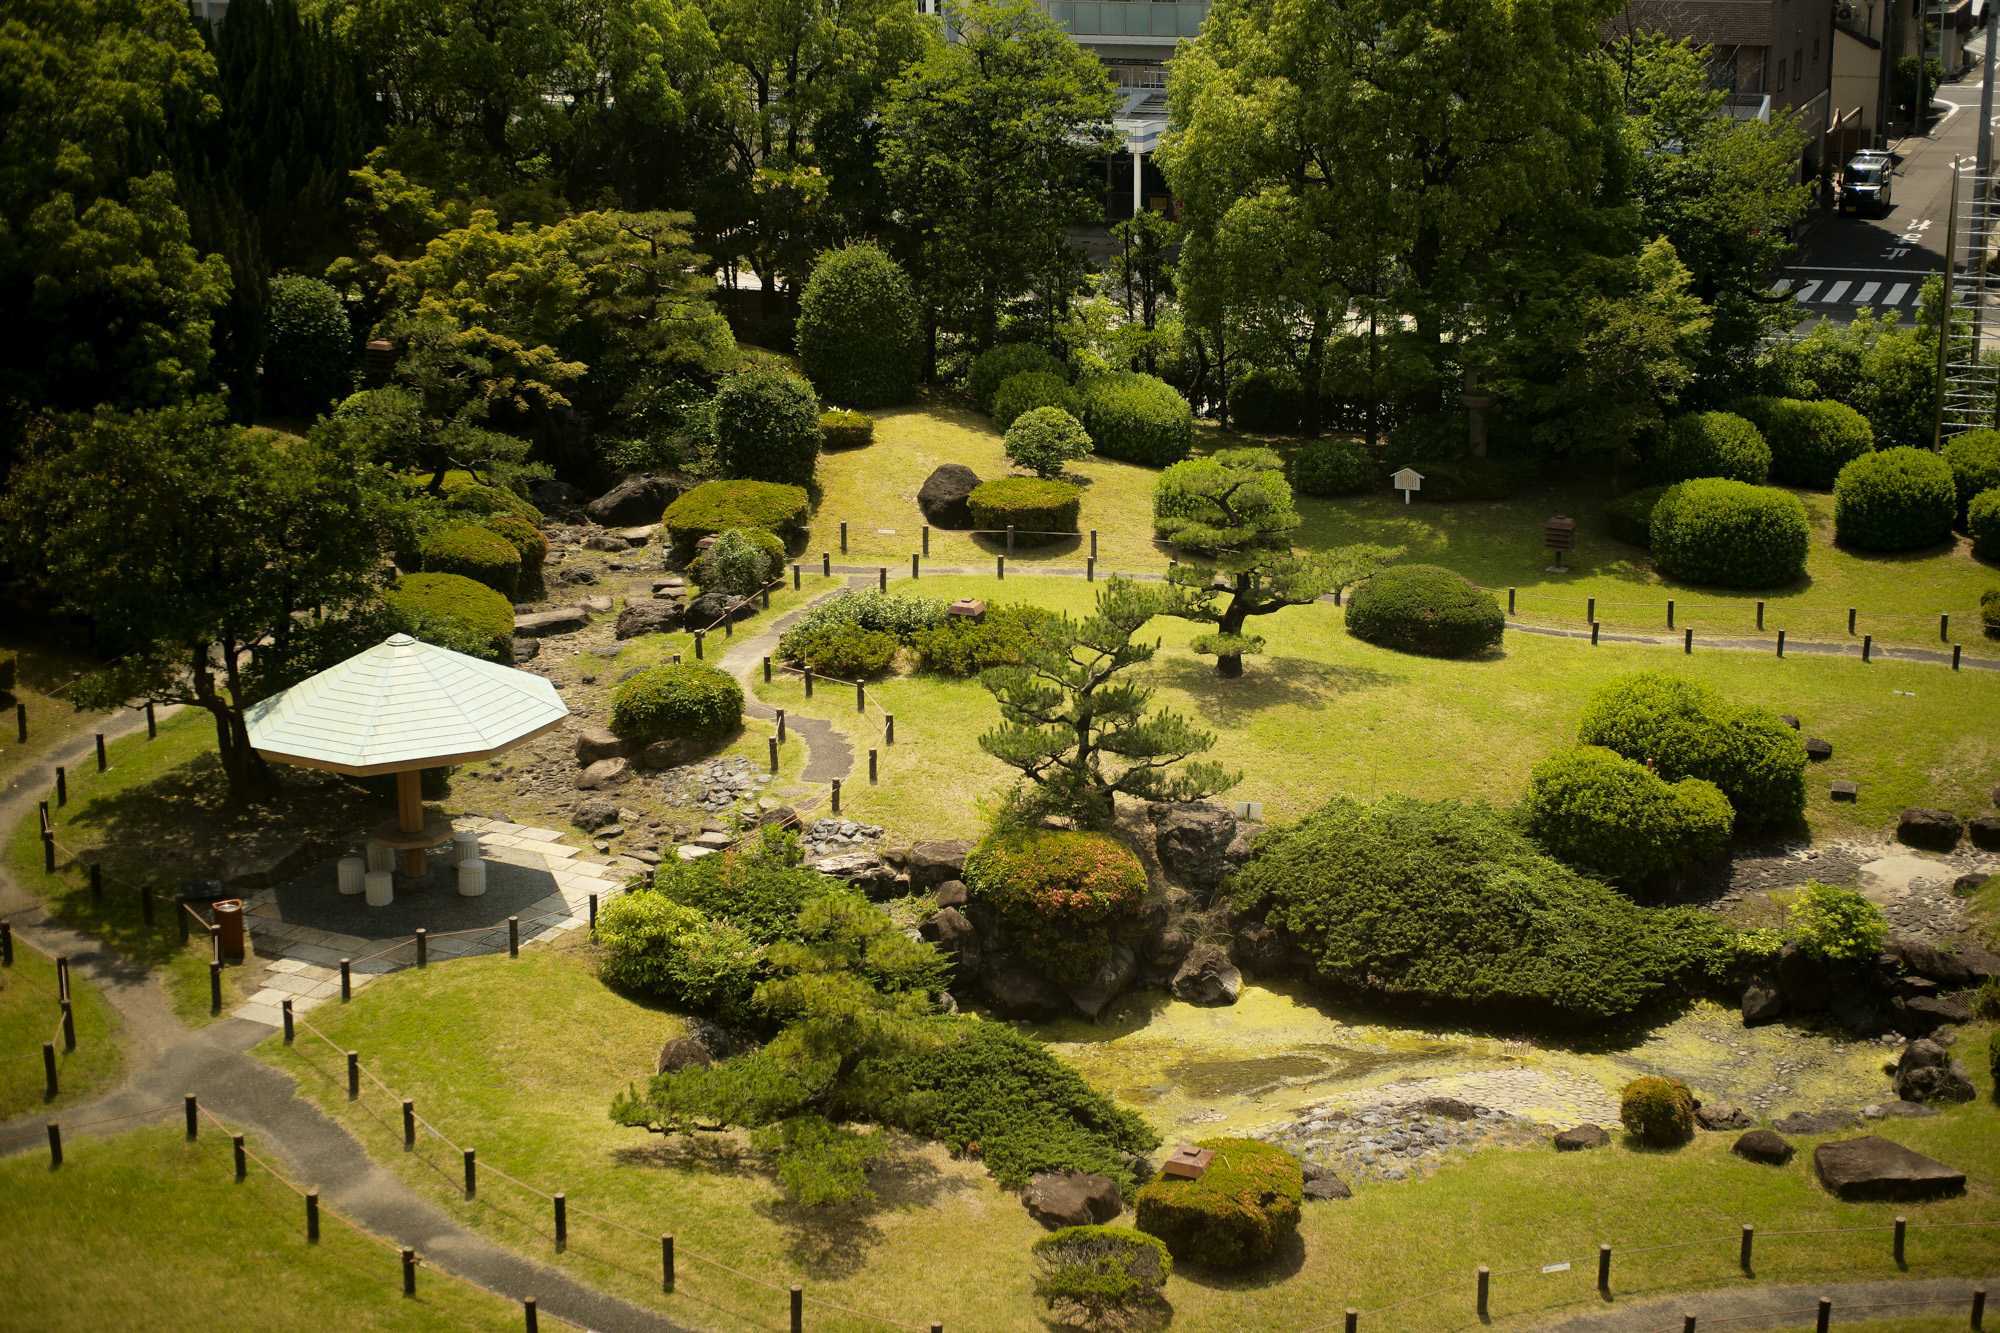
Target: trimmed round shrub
[1000, 364]
[717, 506]
[1055, 891]
[1974, 460]
[1609, 816]
[307, 343]
[1033, 507]
[1045, 440]
[1137, 418]
[524, 536]
[1269, 401]
[464, 495]
[1425, 609]
[741, 561]
[767, 428]
[857, 328]
[680, 701]
[1100, 1270]
[1709, 444]
[1812, 441]
[1029, 390]
[1690, 731]
[846, 652]
[1894, 500]
[1332, 467]
[477, 553]
[1239, 1213]
[846, 430]
[1982, 524]
[1630, 517]
[1658, 1111]
[464, 603]
[1730, 534]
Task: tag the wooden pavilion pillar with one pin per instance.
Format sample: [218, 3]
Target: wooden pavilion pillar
[410, 817]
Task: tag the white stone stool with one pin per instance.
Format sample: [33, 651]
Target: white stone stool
[381, 888]
[471, 878]
[381, 858]
[464, 847]
[352, 869]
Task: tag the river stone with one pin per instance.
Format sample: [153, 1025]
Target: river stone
[1327, 1187]
[1258, 949]
[1877, 1168]
[1206, 977]
[1938, 830]
[1193, 840]
[1583, 1136]
[1762, 1145]
[542, 624]
[936, 863]
[604, 541]
[596, 743]
[672, 754]
[1103, 985]
[605, 773]
[1762, 1002]
[635, 501]
[946, 494]
[526, 650]
[648, 616]
[1721, 1115]
[1016, 990]
[594, 815]
[1828, 1121]
[1071, 1199]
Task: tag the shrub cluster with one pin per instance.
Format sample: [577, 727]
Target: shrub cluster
[1052, 889]
[965, 647]
[1267, 401]
[847, 652]
[1982, 524]
[741, 561]
[678, 953]
[465, 604]
[1100, 1270]
[717, 506]
[1658, 1111]
[1709, 444]
[1688, 730]
[1137, 418]
[857, 329]
[1045, 440]
[884, 612]
[1810, 441]
[525, 538]
[1332, 467]
[1609, 816]
[1838, 924]
[1974, 460]
[1894, 500]
[1730, 534]
[1239, 1212]
[465, 495]
[308, 342]
[1630, 516]
[761, 896]
[1033, 507]
[767, 428]
[1425, 609]
[680, 701]
[1454, 902]
[846, 430]
[1032, 389]
[480, 554]
[1000, 364]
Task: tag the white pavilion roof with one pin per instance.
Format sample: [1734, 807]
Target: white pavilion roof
[403, 704]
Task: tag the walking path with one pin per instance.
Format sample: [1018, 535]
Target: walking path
[829, 755]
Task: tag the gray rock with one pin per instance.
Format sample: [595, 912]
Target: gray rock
[594, 815]
[935, 863]
[1985, 831]
[1327, 1187]
[862, 868]
[1258, 949]
[648, 616]
[1946, 969]
[600, 606]
[951, 893]
[527, 650]
[635, 501]
[712, 608]
[672, 754]
[1918, 1016]
[1936, 829]
[605, 773]
[1071, 1199]
[1818, 750]
[1924, 1073]
[1802, 977]
[1193, 840]
[1583, 1136]
[1907, 1110]
[682, 1052]
[1845, 790]
[1789, 720]
[596, 743]
[604, 541]
[1856, 1010]
[1829, 1121]
[1762, 1145]
[1762, 1002]
[1105, 984]
[945, 495]
[1448, 1108]
[1166, 948]
[1016, 990]
[781, 815]
[544, 624]
[1721, 1115]
[1877, 1168]
[1207, 977]
[553, 494]
[954, 935]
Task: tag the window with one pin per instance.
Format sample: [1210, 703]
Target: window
[1781, 77]
[1815, 50]
[1798, 64]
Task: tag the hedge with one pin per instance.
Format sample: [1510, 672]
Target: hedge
[1730, 534]
[741, 562]
[1657, 1111]
[1239, 1212]
[1332, 467]
[962, 646]
[1138, 418]
[1982, 524]
[1000, 364]
[886, 612]
[857, 328]
[846, 652]
[1454, 902]
[1032, 389]
[1709, 444]
[1055, 891]
[466, 603]
[523, 536]
[846, 430]
[716, 506]
[767, 428]
[1630, 517]
[1812, 441]
[308, 342]
[1689, 731]
[1609, 816]
[1045, 440]
[1974, 460]
[1030, 505]
[477, 553]
[1425, 609]
[1894, 500]
[680, 701]
[1270, 401]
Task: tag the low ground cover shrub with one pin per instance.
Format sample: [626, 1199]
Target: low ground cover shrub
[846, 430]
[1894, 500]
[1609, 816]
[666, 949]
[965, 647]
[1332, 467]
[1730, 534]
[1982, 524]
[857, 328]
[1032, 389]
[1239, 1212]
[1045, 440]
[1137, 418]
[741, 561]
[1974, 460]
[1453, 902]
[896, 614]
[1055, 891]
[1267, 401]
[1709, 444]
[1688, 730]
[999, 364]
[717, 506]
[1630, 516]
[767, 428]
[1425, 609]
[1838, 924]
[679, 701]
[1100, 1271]
[1657, 1111]
[477, 553]
[466, 604]
[1032, 507]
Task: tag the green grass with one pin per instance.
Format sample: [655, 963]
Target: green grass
[1321, 713]
[30, 1015]
[41, 670]
[144, 1230]
[521, 1058]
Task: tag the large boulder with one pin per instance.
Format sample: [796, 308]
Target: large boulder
[1762, 1002]
[936, 863]
[1985, 831]
[1762, 1145]
[954, 935]
[1921, 1015]
[1327, 1187]
[1114, 975]
[946, 494]
[635, 501]
[554, 494]
[1802, 977]
[1946, 969]
[1071, 1199]
[702, 1045]
[594, 744]
[1017, 990]
[864, 870]
[1206, 976]
[1877, 1168]
[594, 815]
[560, 620]
[712, 608]
[1829, 1121]
[1166, 948]
[1193, 841]
[1583, 1136]
[604, 773]
[1722, 1115]
[1925, 1073]
[1258, 949]
[649, 616]
[672, 754]
[1936, 829]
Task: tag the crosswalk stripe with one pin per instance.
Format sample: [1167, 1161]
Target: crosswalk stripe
[1806, 292]
[1896, 294]
[1867, 293]
[1784, 285]
[1835, 292]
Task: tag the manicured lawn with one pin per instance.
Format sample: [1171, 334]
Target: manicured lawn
[520, 1058]
[1322, 713]
[41, 669]
[30, 1015]
[144, 1230]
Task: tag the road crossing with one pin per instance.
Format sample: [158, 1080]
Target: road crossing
[1886, 289]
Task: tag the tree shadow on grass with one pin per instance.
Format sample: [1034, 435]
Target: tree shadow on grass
[1279, 1268]
[1266, 683]
[834, 1240]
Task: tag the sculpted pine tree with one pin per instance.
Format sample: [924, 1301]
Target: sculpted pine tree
[1081, 737]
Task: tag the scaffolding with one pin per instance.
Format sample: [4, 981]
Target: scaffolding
[1969, 356]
